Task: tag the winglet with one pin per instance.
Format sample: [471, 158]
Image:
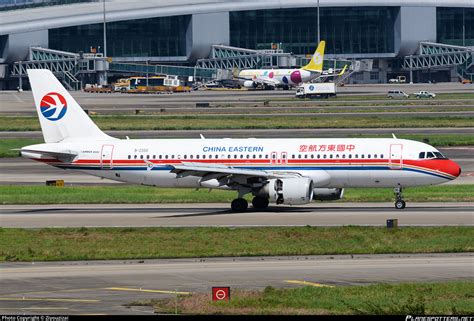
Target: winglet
[343, 70]
[316, 62]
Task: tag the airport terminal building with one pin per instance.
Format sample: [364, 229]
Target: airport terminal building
[180, 32]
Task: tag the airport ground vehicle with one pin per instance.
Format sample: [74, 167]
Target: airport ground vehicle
[316, 90]
[398, 80]
[424, 94]
[397, 94]
[281, 171]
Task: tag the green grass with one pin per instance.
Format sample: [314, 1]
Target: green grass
[438, 140]
[250, 122]
[23, 194]
[7, 144]
[53, 244]
[445, 298]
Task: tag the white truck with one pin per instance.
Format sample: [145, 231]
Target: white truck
[317, 90]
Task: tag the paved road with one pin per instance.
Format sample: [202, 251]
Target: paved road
[104, 287]
[190, 215]
[24, 171]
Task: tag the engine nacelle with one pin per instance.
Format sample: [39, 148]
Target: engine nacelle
[250, 84]
[328, 194]
[291, 191]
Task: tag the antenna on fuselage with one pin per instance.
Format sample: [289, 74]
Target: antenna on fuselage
[394, 137]
[202, 136]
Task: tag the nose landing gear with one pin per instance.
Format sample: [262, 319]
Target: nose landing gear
[399, 202]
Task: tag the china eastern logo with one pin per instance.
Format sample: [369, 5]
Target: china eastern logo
[53, 106]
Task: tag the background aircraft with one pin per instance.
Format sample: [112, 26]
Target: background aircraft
[281, 171]
[272, 78]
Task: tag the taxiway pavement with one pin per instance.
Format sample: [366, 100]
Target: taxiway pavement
[104, 287]
[192, 215]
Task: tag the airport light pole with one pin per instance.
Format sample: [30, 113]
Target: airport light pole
[319, 35]
[105, 45]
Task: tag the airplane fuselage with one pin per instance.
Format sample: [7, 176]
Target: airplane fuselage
[288, 77]
[330, 163]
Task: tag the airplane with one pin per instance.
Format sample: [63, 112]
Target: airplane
[291, 171]
[271, 78]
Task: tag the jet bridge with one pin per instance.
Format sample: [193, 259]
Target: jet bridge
[436, 56]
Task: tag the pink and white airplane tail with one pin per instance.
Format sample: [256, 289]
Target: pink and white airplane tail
[60, 116]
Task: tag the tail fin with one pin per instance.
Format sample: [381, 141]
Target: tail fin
[316, 62]
[60, 115]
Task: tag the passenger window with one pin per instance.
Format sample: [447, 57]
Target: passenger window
[324, 156]
[154, 156]
[129, 156]
[362, 156]
[203, 156]
[356, 156]
[185, 156]
[147, 156]
[172, 156]
[228, 156]
[197, 156]
[235, 156]
[191, 156]
[337, 155]
[312, 156]
[248, 156]
[260, 156]
[210, 156]
[319, 156]
[299, 155]
[350, 155]
[381, 155]
[330, 156]
[266, 156]
[343, 155]
[254, 156]
[306, 156]
[241, 156]
[141, 156]
[293, 156]
[368, 156]
[216, 157]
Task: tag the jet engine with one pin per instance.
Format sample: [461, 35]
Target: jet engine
[250, 84]
[328, 194]
[291, 191]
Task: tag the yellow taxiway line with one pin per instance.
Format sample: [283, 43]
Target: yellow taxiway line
[319, 285]
[49, 299]
[145, 290]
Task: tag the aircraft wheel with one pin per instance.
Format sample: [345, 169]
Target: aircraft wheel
[260, 203]
[400, 204]
[239, 205]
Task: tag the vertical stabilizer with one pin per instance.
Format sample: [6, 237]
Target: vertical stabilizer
[316, 62]
[60, 115]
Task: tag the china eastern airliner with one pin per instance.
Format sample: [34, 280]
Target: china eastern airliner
[271, 78]
[278, 171]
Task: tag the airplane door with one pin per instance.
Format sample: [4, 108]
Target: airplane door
[106, 161]
[396, 160]
[284, 158]
[273, 158]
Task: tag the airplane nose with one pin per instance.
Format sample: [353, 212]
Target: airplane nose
[453, 168]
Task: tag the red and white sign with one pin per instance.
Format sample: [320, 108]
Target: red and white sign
[220, 293]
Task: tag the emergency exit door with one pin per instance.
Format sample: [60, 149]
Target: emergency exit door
[396, 159]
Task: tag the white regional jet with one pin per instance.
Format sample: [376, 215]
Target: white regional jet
[271, 78]
[282, 171]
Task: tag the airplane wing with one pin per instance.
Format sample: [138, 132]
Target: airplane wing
[228, 175]
[266, 81]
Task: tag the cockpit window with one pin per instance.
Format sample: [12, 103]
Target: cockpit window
[439, 155]
[431, 155]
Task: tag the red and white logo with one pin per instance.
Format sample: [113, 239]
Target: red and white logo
[53, 106]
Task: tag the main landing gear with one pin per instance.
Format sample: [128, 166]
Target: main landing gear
[241, 204]
[399, 202]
